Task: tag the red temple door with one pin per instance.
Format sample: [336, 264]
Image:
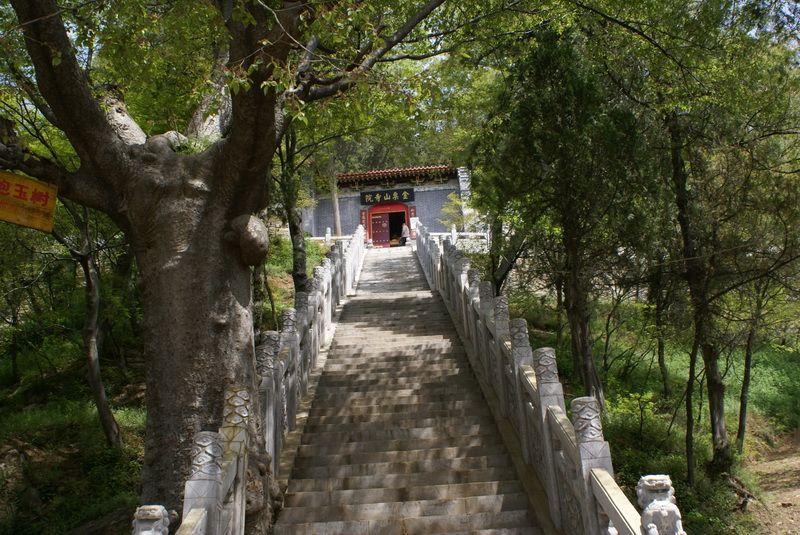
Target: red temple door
[379, 224]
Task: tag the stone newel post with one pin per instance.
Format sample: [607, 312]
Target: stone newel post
[660, 514]
[593, 450]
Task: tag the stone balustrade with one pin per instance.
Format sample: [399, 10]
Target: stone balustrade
[570, 458]
[215, 493]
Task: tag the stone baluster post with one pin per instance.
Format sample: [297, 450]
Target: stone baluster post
[235, 440]
[271, 371]
[290, 347]
[303, 327]
[315, 316]
[330, 305]
[485, 318]
[549, 392]
[501, 333]
[660, 514]
[521, 355]
[473, 281]
[151, 520]
[462, 286]
[594, 453]
[203, 489]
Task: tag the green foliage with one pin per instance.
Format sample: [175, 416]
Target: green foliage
[70, 476]
[279, 274]
[776, 391]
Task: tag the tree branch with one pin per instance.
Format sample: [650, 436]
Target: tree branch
[78, 186]
[63, 85]
[317, 93]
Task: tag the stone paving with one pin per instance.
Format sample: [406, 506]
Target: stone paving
[398, 438]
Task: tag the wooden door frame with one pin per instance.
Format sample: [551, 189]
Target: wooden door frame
[386, 208]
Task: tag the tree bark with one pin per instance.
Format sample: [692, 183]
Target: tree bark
[744, 396]
[337, 218]
[658, 300]
[698, 275]
[745, 393]
[90, 336]
[579, 316]
[690, 477]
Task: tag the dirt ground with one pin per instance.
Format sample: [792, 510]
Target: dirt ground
[778, 510]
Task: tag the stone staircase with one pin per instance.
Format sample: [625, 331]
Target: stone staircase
[398, 438]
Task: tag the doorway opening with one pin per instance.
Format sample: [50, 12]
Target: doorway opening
[396, 220]
[386, 223]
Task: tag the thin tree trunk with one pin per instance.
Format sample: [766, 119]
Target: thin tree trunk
[90, 336]
[559, 284]
[745, 394]
[299, 265]
[690, 477]
[662, 366]
[13, 348]
[337, 218]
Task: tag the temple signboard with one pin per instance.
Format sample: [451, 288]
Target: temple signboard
[27, 202]
[389, 195]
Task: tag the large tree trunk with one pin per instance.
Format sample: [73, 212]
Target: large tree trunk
[196, 297]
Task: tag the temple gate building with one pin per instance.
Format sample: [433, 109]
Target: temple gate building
[383, 199]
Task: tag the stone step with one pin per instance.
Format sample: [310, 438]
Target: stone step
[416, 325]
[349, 435]
[399, 462]
[411, 344]
[406, 409]
[366, 353]
[338, 393]
[466, 381]
[406, 509]
[498, 531]
[431, 492]
[471, 441]
[441, 387]
[401, 480]
[389, 398]
[396, 418]
[416, 369]
[402, 361]
[389, 380]
[318, 426]
[470, 523]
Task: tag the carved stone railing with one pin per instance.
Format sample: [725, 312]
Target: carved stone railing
[571, 459]
[214, 494]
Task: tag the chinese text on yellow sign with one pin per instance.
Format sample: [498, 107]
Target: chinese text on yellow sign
[27, 202]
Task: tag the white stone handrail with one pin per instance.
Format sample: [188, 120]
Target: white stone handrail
[214, 495]
[571, 459]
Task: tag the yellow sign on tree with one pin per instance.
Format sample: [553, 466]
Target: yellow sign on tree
[27, 202]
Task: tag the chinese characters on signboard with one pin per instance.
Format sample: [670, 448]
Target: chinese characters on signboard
[27, 202]
[390, 195]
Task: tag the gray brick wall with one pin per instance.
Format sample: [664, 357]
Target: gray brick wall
[349, 211]
[429, 208]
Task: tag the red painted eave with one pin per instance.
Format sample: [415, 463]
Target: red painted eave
[423, 171]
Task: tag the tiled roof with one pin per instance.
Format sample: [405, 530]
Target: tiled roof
[422, 171]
